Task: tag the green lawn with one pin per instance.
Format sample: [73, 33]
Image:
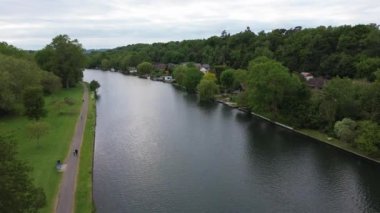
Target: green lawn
[83, 196]
[54, 145]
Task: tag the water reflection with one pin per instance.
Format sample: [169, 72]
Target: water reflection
[158, 149]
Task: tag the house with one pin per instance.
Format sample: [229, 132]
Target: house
[206, 66]
[307, 75]
[159, 66]
[204, 70]
[316, 83]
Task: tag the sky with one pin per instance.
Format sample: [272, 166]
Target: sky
[31, 24]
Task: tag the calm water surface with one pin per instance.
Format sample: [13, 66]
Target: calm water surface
[158, 150]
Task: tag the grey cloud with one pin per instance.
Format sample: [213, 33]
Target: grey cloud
[107, 24]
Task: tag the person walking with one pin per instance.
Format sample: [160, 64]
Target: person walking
[75, 152]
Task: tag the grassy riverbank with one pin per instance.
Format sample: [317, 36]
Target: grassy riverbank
[83, 195]
[335, 142]
[309, 132]
[61, 119]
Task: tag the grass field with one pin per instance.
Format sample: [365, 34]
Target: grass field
[53, 146]
[83, 195]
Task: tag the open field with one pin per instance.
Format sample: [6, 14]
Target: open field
[42, 156]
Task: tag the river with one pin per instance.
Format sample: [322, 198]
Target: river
[158, 150]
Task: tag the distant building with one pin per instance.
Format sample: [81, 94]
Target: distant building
[159, 66]
[307, 75]
[316, 83]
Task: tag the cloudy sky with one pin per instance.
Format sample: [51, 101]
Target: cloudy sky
[31, 24]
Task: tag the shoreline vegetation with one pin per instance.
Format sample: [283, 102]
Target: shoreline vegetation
[325, 78]
[83, 195]
[314, 134]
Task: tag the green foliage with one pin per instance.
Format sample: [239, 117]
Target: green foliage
[342, 91]
[65, 58]
[270, 85]
[227, 79]
[50, 82]
[191, 79]
[36, 130]
[145, 68]
[15, 75]
[34, 103]
[328, 51]
[179, 74]
[18, 193]
[368, 139]
[345, 130]
[207, 88]
[94, 85]
[210, 76]
[367, 66]
[9, 50]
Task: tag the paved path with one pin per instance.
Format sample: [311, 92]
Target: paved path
[66, 194]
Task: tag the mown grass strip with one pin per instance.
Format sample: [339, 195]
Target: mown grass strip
[83, 195]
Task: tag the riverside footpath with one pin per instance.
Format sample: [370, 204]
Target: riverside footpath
[66, 194]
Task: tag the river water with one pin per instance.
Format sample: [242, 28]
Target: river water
[158, 150]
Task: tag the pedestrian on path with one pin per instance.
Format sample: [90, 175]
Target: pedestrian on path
[75, 152]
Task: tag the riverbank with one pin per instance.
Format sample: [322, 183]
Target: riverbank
[63, 109]
[83, 196]
[321, 137]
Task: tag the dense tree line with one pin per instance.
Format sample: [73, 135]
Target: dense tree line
[18, 74]
[25, 78]
[345, 51]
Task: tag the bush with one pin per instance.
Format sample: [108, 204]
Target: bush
[345, 130]
[368, 139]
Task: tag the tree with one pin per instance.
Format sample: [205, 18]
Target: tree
[342, 91]
[179, 74]
[34, 103]
[207, 87]
[210, 76]
[269, 85]
[345, 130]
[36, 130]
[16, 75]
[94, 85]
[65, 58]
[50, 82]
[227, 78]
[240, 78]
[367, 66]
[191, 79]
[145, 68]
[368, 139]
[18, 194]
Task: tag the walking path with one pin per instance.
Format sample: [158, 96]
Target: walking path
[66, 194]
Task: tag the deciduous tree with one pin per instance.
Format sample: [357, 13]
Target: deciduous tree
[65, 58]
[34, 103]
[18, 193]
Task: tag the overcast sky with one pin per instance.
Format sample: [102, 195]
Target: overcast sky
[31, 24]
